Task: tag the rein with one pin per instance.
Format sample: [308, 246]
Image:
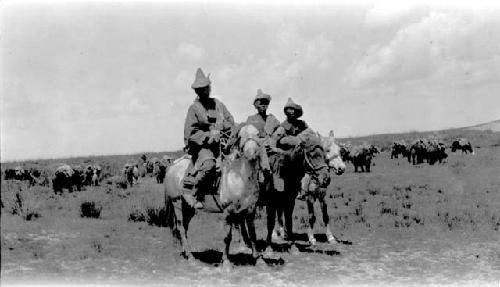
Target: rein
[227, 159]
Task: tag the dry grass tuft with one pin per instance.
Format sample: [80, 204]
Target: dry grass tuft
[91, 204]
[23, 202]
[118, 181]
[147, 204]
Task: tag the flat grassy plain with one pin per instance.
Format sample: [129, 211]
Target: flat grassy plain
[409, 225]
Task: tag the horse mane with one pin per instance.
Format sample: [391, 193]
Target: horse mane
[234, 138]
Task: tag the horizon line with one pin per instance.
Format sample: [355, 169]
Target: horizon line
[180, 148]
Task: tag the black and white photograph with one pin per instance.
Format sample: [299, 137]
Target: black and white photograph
[249, 143]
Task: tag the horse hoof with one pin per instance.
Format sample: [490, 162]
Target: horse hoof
[242, 249]
[187, 256]
[275, 237]
[269, 252]
[332, 240]
[259, 261]
[312, 241]
[226, 266]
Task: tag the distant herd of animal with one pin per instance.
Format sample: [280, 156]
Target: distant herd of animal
[361, 156]
[76, 177]
[417, 152]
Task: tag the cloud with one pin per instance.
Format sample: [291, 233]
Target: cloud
[190, 51]
[444, 45]
[132, 101]
[385, 14]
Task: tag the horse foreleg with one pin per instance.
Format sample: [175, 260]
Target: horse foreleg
[326, 221]
[249, 218]
[280, 214]
[187, 214]
[312, 220]
[271, 217]
[244, 233]
[228, 227]
[288, 212]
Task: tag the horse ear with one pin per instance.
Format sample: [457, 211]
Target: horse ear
[331, 134]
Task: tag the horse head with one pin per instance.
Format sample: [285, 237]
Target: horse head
[248, 142]
[332, 151]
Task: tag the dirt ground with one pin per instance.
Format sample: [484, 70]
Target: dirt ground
[408, 225]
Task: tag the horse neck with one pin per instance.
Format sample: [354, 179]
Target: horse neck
[241, 169]
[240, 163]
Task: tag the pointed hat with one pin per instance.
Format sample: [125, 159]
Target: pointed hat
[261, 96]
[291, 104]
[201, 81]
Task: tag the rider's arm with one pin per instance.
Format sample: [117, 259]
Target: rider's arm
[278, 134]
[271, 125]
[193, 132]
[228, 118]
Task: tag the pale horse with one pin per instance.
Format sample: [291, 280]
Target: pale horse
[238, 192]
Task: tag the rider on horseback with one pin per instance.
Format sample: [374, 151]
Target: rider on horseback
[206, 119]
[266, 124]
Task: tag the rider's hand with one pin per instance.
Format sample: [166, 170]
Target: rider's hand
[214, 136]
[290, 140]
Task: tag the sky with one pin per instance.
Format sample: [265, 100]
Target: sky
[112, 77]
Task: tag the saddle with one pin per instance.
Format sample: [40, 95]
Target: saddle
[189, 179]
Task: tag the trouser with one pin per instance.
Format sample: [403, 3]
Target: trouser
[274, 210]
[201, 178]
[292, 186]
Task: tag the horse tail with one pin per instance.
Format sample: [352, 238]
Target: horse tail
[171, 218]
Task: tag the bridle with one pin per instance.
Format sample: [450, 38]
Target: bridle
[337, 155]
[241, 145]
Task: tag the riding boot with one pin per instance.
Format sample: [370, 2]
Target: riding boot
[199, 198]
[191, 192]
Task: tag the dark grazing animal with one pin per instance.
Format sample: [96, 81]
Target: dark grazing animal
[435, 151]
[418, 151]
[462, 144]
[361, 157]
[399, 148]
[67, 177]
[9, 173]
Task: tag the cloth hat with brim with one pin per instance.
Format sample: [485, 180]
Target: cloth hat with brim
[261, 96]
[292, 105]
[201, 80]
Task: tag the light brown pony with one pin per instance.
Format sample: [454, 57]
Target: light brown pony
[330, 152]
[238, 192]
[335, 163]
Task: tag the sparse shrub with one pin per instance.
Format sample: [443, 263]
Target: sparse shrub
[155, 210]
[22, 202]
[373, 191]
[118, 181]
[96, 245]
[145, 206]
[156, 216]
[91, 205]
[136, 211]
[90, 209]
